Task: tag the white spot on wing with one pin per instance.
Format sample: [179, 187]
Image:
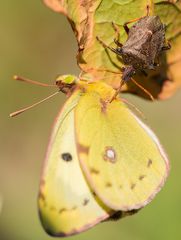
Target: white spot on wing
[110, 154]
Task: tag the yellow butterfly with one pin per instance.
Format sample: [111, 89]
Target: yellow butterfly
[66, 203]
[101, 158]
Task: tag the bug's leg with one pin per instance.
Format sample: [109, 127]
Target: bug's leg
[143, 89]
[118, 90]
[126, 76]
[118, 43]
[128, 72]
[152, 66]
[166, 47]
[147, 10]
[156, 64]
[116, 39]
[126, 28]
[144, 73]
[106, 46]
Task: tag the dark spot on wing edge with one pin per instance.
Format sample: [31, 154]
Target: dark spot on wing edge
[149, 163]
[94, 171]
[83, 149]
[133, 185]
[42, 196]
[108, 185]
[94, 194]
[62, 210]
[85, 202]
[74, 208]
[42, 183]
[141, 177]
[116, 216]
[52, 208]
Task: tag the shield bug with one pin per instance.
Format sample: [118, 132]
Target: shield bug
[141, 51]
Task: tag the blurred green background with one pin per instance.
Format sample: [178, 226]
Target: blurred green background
[38, 43]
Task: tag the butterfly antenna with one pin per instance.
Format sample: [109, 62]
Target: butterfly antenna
[22, 79]
[33, 105]
[143, 89]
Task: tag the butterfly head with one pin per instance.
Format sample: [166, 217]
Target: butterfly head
[66, 83]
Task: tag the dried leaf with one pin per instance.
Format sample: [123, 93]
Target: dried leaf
[94, 18]
[170, 13]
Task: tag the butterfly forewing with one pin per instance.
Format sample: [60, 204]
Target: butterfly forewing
[120, 156]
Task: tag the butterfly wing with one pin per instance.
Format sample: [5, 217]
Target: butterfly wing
[66, 204]
[120, 156]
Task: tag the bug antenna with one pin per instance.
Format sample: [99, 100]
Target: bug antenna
[134, 107]
[33, 105]
[123, 82]
[143, 89]
[22, 79]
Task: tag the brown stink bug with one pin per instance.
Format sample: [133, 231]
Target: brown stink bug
[145, 42]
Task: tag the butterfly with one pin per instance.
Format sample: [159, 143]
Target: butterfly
[101, 159]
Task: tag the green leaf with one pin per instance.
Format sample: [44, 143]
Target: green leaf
[94, 58]
[94, 18]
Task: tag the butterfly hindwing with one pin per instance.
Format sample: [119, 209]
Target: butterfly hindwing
[120, 156]
[66, 204]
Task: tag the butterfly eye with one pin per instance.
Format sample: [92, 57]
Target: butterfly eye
[66, 157]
